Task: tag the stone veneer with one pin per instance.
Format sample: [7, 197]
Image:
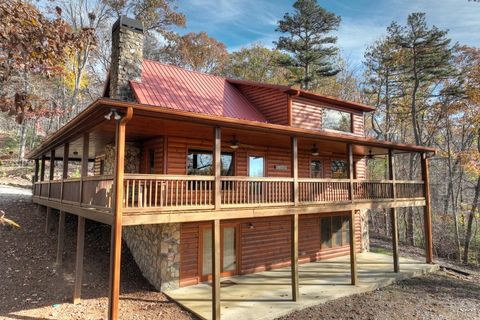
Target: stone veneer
[126, 58]
[155, 248]
[132, 158]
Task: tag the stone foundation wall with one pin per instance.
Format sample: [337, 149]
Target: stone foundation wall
[156, 250]
[364, 229]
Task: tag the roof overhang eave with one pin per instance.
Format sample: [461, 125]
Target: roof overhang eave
[77, 124]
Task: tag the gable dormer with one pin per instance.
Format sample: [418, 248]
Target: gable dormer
[312, 114]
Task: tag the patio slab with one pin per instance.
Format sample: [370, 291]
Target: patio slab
[267, 295]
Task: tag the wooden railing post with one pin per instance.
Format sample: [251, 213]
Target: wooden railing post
[295, 170]
[393, 211]
[217, 151]
[216, 254]
[116, 233]
[427, 210]
[350, 171]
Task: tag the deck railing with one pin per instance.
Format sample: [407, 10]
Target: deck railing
[323, 190]
[167, 191]
[93, 192]
[247, 191]
[146, 192]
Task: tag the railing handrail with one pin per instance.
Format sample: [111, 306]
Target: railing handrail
[143, 176]
[256, 179]
[90, 178]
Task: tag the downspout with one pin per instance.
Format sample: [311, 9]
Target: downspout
[116, 233]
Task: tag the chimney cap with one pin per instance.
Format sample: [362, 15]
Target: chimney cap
[124, 21]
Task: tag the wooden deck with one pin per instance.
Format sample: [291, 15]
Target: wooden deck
[151, 198]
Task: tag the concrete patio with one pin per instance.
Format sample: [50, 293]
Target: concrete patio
[267, 295]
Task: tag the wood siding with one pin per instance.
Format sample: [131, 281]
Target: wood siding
[264, 244]
[307, 114]
[175, 158]
[270, 102]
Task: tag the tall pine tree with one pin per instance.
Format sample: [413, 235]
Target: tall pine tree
[308, 42]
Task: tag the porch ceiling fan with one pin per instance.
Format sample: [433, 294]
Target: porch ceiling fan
[235, 144]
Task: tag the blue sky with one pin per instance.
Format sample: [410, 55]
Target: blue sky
[238, 23]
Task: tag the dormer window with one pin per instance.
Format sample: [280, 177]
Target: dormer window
[337, 120]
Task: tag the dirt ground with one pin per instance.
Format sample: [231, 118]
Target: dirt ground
[31, 287]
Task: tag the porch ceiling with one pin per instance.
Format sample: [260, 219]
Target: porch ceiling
[148, 121]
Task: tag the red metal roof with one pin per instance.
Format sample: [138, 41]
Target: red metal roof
[176, 88]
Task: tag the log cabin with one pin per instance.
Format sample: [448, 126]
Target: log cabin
[204, 177]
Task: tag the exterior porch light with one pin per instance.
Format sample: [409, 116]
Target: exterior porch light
[113, 112]
[315, 150]
[370, 155]
[75, 153]
[234, 143]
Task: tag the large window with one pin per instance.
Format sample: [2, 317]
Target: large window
[339, 169]
[337, 120]
[200, 163]
[335, 231]
[316, 169]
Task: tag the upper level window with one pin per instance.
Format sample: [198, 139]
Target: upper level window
[339, 169]
[316, 169]
[200, 163]
[337, 120]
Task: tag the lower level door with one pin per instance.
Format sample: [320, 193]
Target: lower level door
[228, 258]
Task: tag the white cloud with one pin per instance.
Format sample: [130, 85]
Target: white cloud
[242, 22]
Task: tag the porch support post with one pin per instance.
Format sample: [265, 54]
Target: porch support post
[42, 170]
[427, 210]
[81, 225]
[61, 217]
[393, 211]
[84, 163]
[48, 220]
[295, 170]
[37, 169]
[294, 257]
[353, 256]
[217, 151]
[116, 233]
[77, 289]
[216, 238]
[350, 170]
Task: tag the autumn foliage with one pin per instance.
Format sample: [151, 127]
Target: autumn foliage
[31, 46]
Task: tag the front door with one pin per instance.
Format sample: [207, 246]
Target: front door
[229, 249]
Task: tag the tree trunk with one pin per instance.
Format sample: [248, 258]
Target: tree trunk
[22, 142]
[473, 210]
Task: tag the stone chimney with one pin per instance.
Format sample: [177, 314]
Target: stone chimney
[126, 58]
